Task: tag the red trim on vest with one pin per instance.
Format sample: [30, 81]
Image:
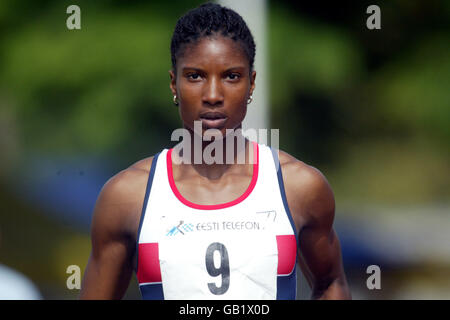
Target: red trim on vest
[148, 264]
[287, 253]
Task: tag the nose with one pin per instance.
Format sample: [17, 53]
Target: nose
[212, 94]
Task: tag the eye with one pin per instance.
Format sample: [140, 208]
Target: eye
[233, 76]
[193, 76]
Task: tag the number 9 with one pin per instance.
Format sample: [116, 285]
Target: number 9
[223, 270]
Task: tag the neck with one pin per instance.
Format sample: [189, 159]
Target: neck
[212, 159]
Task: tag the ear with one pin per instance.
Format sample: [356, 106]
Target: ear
[173, 82]
[252, 82]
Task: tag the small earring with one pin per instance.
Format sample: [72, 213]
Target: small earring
[175, 101]
[250, 99]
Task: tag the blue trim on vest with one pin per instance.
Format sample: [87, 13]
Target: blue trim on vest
[286, 285]
[283, 193]
[144, 207]
[152, 291]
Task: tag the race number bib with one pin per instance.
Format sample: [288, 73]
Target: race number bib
[220, 265]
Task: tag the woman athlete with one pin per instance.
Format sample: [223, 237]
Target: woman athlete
[223, 230]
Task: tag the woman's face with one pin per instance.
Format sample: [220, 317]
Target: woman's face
[212, 84]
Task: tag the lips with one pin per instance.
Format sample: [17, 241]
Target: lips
[213, 119]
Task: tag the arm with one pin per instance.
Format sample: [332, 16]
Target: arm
[312, 206]
[113, 236]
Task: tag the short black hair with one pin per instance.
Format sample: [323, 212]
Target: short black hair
[207, 20]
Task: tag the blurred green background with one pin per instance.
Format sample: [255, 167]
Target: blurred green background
[369, 108]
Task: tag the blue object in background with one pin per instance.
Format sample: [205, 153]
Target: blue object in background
[65, 189]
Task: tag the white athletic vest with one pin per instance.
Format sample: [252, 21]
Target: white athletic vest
[243, 249]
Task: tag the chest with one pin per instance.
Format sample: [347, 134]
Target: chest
[210, 192]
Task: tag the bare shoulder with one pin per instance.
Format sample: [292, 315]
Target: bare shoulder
[308, 192]
[127, 184]
[119, 204]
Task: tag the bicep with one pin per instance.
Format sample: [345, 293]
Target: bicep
[313, 206]
[319, 256]
[110, 267]
[108, 272]
[320, 251]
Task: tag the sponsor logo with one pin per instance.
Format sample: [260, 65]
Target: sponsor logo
[262, 220]
[181, 228]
